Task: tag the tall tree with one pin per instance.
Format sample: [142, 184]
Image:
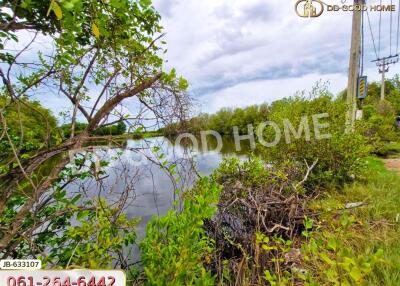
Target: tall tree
[104, 55]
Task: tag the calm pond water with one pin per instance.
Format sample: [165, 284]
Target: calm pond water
[151, 190]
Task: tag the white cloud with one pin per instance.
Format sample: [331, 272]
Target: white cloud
[240, 52]
[256, 92]
[267, 91]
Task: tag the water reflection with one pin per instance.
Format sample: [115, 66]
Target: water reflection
[211, 144]
[137, 176]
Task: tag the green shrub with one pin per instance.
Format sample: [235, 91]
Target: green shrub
[339, 155]
[378, 126]
[369, 111]
[331, 260]
[176, 245]
[385, 108]
[391, 149]
[30, 126]
[29, 121]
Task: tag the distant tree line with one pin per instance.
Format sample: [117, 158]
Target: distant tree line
[114, 130]
[375, 111]
[223, 121]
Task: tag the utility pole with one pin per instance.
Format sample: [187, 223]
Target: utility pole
[354, 66]
[383, 71]
[383, 64]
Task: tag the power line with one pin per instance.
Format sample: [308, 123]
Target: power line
[391, 23]
[380, 25]
[398, 28]
[383, 62]
[372, 35]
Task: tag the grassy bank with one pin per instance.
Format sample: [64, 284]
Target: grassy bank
[376, 224]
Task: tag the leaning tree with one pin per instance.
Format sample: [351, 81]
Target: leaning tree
[104, 58]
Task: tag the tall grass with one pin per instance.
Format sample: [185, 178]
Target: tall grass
[378, 221]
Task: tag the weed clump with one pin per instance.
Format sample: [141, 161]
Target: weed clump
[260, 219]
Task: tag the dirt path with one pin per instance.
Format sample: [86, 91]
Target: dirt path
[393, 164]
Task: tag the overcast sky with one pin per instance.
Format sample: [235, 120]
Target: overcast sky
[237, 53]
[241, 52]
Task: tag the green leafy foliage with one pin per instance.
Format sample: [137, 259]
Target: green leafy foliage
[30, 126]
[71, 231]
[75, 18]
[378, 124]
[93, 42]
[278, 248]
[392, 93]
[177, 249]
[95, 241]
[336, 263]
[30, 121]
[176, 245]
[366, 229]
[339, 154]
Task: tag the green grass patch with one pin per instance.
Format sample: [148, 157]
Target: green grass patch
[389, 150]
[377, 224]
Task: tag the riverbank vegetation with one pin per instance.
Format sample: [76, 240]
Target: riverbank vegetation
[310, 210]
[266, 236]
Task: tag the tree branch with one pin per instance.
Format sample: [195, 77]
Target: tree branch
[114, 101]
